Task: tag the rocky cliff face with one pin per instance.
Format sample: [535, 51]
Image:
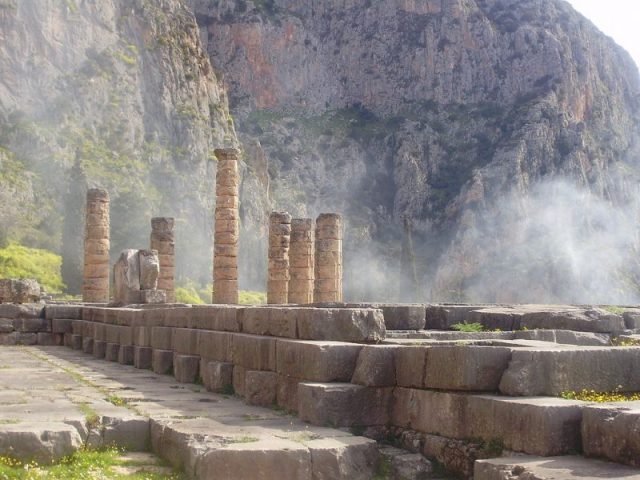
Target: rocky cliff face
[438, 111]
[113, 93]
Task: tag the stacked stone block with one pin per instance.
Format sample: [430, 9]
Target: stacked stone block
[162, 240]
[328, 270]
[227, 228]
[278, 271]
[95, 287]
[301, 261]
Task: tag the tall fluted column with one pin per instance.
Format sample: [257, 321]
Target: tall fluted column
[227, 228]
[279, 241]
[162, 240]
[301, 261]
[328, 273]
[95, 280]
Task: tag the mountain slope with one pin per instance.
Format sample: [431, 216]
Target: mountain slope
[438, 111]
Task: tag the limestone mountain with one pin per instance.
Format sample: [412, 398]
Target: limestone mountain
[116, 93]
[436, 112]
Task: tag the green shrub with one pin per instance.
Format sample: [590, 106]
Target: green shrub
[17, 261]
[188, 295]
[246, 297]
[468, 327]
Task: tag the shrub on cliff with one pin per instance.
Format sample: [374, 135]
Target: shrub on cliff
[18, 261]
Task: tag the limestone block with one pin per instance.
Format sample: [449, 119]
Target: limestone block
[405, 465]
[20, 338]
[131, 433]
[161, 338]
[31, 324]
[19, 291]
[342, 324]
[6, 325]
[61, 325]
[111, 352]
[404, 317]
[53, 311]
[126, 355]
[260, 387]
[349, 457]
[143, 357]
[552, 424]
[567, 337]
[153, 296]
[186, 368]
[162, 361]
[216, 345]
[473, 368]
[287, 393]
[46, 338]
[376, 366]
[126, 274]
[87, 345]
[341, 404]
[99, 348]
[42, 442]
[76, 341]
[185, 341]
[31, 310]
[238, 380]
[254, 352]
[611, 432]
[270, 321]
[224, 318]
[524, 467]
[265, 459]
[317, 361]
[553, 371]
[216, 376]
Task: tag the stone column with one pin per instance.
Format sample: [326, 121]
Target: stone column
[301, 261]
[279, 241]
[95, 285]
[328, 272]
[162, 240]
[227, 228]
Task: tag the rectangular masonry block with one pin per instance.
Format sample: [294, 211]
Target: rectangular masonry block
[343, 404]
[238, 380]
[411, 362]
[612, 432]
[143, 357]
[260, 388]
[376, 366]
[186, 368]
[216, 376]
[404, 317]
[217, 317]
[287, 393]
[62, 325]
[46, 338]
[141, 336]
[162, 361]
[342, 324]
[317, 361]
[185, 341]
[99, 348]
[553, 371]
[270, 321]
[552, 424]
[73, 312]
[254, 352]
[87, 345]
[31, 325]
[216, 345]
[76, 341]
[161, 338]
[111, 352]
[125, 355]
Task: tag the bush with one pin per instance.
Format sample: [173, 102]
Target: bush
[188, 295]
[468, 327]
[246, 297]
[17, 261]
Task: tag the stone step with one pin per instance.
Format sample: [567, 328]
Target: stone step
[551, 468]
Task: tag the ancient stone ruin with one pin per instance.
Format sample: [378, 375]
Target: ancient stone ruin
[227, 227]
[278, 265]
[162, 241]
[19, 290]
[135, 278]
[328, 269]
[95, 287]
[301, 261]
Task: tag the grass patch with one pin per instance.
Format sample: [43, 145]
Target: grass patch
[90, 415]
[82, 465]
[468, 327]
[9, 421]
[384, 469]
[614, 309]
[601, 397]
[117, 401]
[243, 439]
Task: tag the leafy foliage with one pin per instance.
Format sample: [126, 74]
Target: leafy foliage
[468, 327]
[18, 261]
[601, 397]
